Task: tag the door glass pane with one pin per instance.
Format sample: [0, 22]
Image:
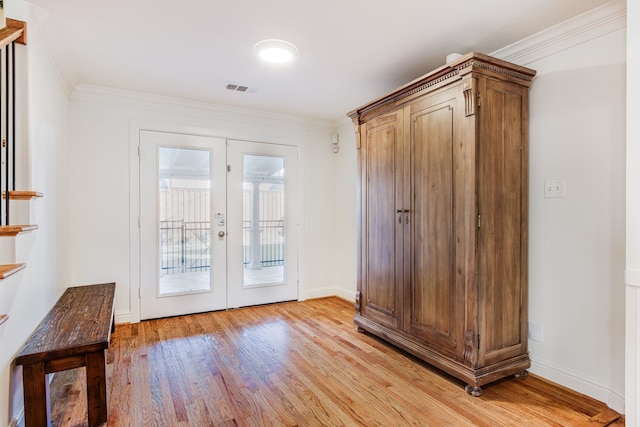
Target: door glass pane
[184, 185]
[263, 220]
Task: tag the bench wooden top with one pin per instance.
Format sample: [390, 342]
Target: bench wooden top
[80, 322]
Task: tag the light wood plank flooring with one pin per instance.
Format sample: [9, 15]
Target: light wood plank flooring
[298, 364]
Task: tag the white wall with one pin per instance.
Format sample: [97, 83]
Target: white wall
[345, 242]
[576, 248]
[46, 136]
[103, 204]
[633, 217]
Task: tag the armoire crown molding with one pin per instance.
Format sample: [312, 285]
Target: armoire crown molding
[572, 32]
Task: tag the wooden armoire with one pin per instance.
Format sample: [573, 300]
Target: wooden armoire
[443, 206]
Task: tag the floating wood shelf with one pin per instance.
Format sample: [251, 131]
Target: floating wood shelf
[22, 195]
[3, 318]
[14, 230]
[14, 31]
[7, 270]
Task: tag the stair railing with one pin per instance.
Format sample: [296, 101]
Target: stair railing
[14, 32]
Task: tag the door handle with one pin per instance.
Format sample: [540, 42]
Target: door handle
[406, 215]
[221, 234]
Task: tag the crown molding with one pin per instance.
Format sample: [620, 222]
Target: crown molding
[165, 104]
[595, 23]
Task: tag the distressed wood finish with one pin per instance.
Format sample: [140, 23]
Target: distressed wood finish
[456, 253]
[75, 333]
[298, 363]
[382, 234]
[434, 293]
[503, 206]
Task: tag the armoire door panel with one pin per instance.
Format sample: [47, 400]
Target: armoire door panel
[381, 291]
[433, 283]
[500, 202]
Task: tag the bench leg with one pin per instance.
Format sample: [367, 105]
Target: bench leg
[36, 395]
[96, 387]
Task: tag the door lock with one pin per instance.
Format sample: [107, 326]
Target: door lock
[221, 234]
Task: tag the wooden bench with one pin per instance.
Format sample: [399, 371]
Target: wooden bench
[74, 333]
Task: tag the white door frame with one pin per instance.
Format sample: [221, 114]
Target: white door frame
[153, 303]
[128, 311]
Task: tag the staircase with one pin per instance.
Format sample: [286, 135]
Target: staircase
[16, 207]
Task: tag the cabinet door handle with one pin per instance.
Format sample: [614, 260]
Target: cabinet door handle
[406, 215]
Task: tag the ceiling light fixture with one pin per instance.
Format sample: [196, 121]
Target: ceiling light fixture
[276, 51]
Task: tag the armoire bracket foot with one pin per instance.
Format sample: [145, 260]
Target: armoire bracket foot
[474, 391]
[520, 375]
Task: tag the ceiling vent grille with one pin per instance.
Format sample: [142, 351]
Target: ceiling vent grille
[240, 88]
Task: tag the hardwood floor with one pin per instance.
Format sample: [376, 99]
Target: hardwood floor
[298, 364]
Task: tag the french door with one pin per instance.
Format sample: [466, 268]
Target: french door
[263, 222]
[218, 224]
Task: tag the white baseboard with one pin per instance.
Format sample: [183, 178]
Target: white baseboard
[346, 294]
[123, 317]
[329, 292]
[318, 293]
[578, 383]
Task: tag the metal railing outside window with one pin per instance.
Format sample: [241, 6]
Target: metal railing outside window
[185, 246]
[271, 243]
[185, 242]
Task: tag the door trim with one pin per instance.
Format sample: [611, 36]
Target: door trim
[157, 304]
[131, 314]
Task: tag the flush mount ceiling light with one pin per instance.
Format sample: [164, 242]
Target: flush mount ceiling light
[276, 51]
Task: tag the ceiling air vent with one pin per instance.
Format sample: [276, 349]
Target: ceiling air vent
[240, 88]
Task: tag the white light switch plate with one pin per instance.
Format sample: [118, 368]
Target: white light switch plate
[555, 188]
